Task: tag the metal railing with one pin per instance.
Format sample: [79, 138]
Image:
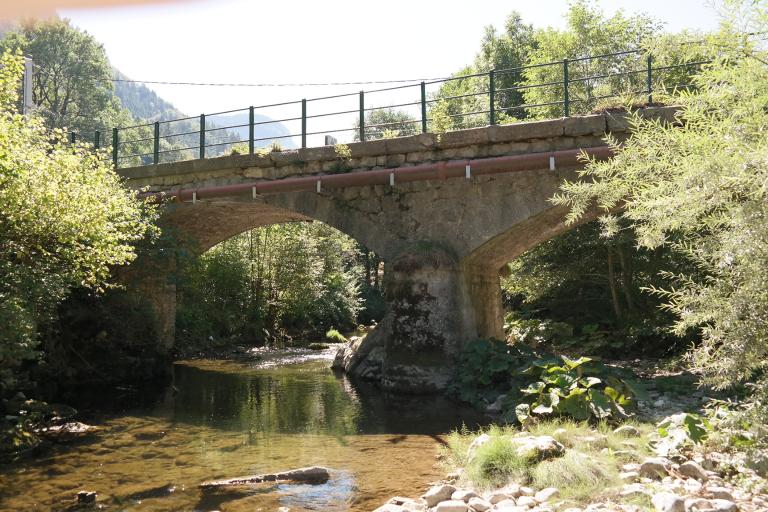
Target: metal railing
[568, 87]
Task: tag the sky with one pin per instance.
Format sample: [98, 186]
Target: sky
[291, 41]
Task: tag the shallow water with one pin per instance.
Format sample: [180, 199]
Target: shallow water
[223, 419]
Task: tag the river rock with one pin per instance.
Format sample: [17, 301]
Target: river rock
[526, 491]
[526, 501]
[721, 493]
[697, 504]
[463, 495]
[452, 506]
[438, 493]
[475, 444]
[478, 504]
[539, 447]
[546, 494]
[668, 502]
[68, 431]
[86, 497]
[498, 497]
[508, 505]
[629, 476]
[309, 475]
[654, 467]
[628, 431]
[497, 406]
[721, 505]
[390, 507]
[693, 470]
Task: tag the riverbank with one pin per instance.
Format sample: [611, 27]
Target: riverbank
[665, 465]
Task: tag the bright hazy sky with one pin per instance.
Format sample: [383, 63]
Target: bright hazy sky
[318, 41]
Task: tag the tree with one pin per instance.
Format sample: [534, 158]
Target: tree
[463, 102]
[698, 187]
[589, 33]
[387, 123]
[71, 86]
[65, 222]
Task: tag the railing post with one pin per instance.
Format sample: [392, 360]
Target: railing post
[649, 78]
[72, 137]
[304, 123]
[423, 107]
[202, 136]
[492, 97]
[251, 118]
[115, 146]
[362, 116]
[566, 98]
[97, 139]
[156, 148]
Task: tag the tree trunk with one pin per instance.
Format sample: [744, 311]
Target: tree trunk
[625, 261]
[612, 286]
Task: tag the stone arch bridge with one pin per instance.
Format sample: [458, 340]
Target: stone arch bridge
[445, 212]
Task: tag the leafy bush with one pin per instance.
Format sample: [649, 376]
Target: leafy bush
[541, 385]
[580, 389]
[335, 336]
[680, 431]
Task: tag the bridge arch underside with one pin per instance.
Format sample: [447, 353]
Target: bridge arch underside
[444, 243]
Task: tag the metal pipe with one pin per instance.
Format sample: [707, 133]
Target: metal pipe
[367, 177]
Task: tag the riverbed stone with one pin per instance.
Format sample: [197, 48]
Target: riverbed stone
[498, 496]
[506, 504]
[390, 507]
[668, 502]
[655, 467]
[628, 431]
[539, 447]
[693, 470]
[547, 494]
[526, 501]
[478, 504]
[438, 493]
[475, 444]
[722, 493]
[463, 495]
[452, 506]
[721, 505]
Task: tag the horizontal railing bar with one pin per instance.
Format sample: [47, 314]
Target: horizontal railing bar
[188, 118]
[332, 97]
[353, 129]
[227, 112]
[392, 106]
[531, 86]
[182, 134]
[219, 128]
[593, 57]
[533, 105]
[454, 78]
[332, 114]
[271, 121]
[392, 123]
[226, 143]
[275, 138]
[132, 141]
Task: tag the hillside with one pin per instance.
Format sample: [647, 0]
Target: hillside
[143, 103]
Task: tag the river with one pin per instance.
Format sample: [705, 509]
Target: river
[222, 419]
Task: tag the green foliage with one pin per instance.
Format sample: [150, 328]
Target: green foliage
[496, 462]
[335, 336]
[580, 389]
[70, 84]
[680, 431]
[540, 385]
[65, 222]
[697, 187]
[387, 123]
[269, 282]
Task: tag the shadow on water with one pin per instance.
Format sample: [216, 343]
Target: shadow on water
[222, 419]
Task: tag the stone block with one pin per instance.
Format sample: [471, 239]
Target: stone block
[369, 148]
[462, 138]
[584, 125]
[321, 153]
[395, 160]
[526, 131]
[282, 158]
[421, 142]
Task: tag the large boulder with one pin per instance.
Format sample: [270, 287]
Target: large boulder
[438, 493]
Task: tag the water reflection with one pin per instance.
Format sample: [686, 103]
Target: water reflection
[224, 419]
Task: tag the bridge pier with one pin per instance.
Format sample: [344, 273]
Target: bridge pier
[434, 306]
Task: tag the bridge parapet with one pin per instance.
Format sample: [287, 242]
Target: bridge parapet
[490, 141]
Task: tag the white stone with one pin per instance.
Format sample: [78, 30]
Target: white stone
[437, 494]
[721, 505]
[693, 470]
[390, 507]
[498, 497]
[629, 476]
[546, 494]
[451, 506]
[463, 495]
[668, 502]
[632, 490]
[477, 443]
[696, 504]
[654, 467]
[509, 506]
[526, 501]
[721, 493]
[628, 431]
[526, 491]
[478, 504]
